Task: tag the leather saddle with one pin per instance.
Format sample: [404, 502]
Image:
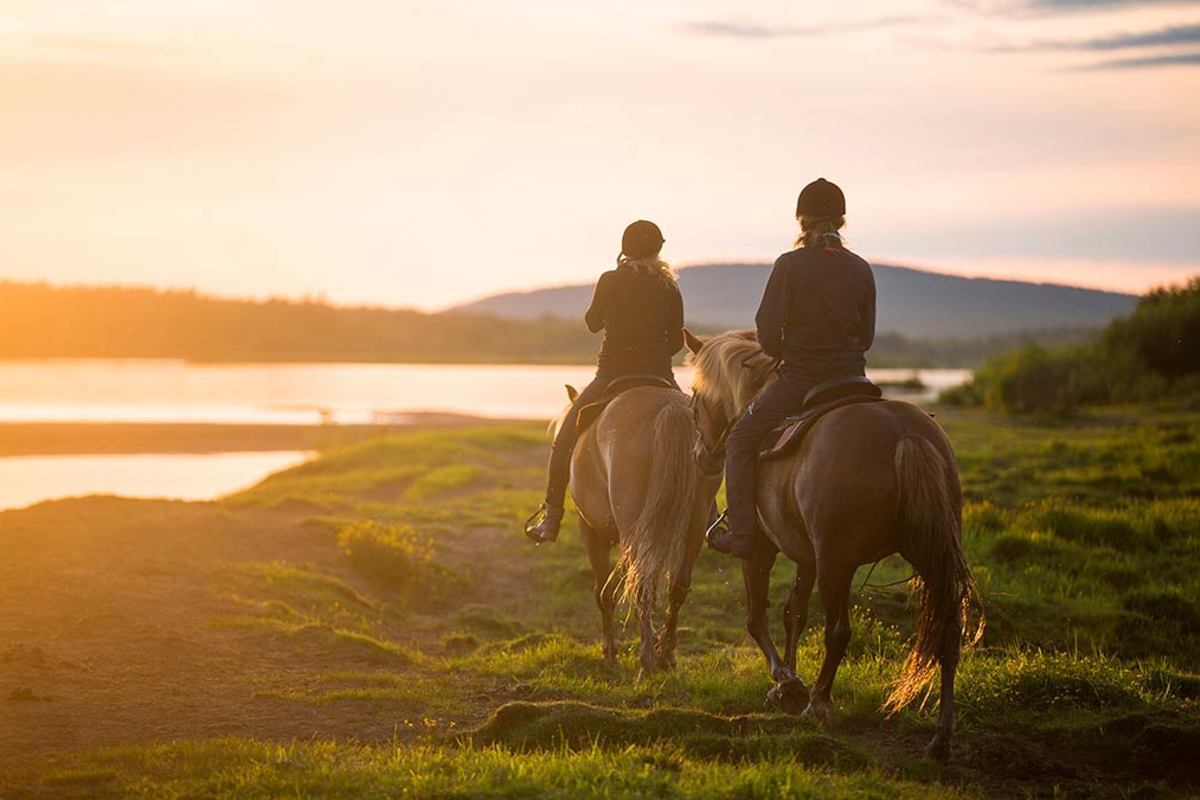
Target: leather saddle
[820, 400]
[588, 414]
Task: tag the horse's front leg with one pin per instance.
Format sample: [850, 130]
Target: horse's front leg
[833, 582]
[789, 692]
[795, 613]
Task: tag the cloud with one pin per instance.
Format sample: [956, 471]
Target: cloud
[749, 30]
[1026, 7]
[1096, 5]
[1163, 37]
[1145, 62]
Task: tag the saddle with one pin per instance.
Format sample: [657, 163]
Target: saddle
[588, 414]
[820, 400]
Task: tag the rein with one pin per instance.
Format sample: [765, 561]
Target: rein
[718, 450]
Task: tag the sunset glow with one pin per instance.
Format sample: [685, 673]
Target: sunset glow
[417, 154]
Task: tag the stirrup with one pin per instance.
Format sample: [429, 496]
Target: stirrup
[716, 523]
[535, 521]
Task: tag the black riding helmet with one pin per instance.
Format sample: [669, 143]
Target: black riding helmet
[821, 199]
[641, 239]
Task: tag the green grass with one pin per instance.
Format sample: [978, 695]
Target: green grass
[1084, 536]
[234, 768]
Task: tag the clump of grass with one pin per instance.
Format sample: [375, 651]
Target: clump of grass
[394, 555]
[398, 558]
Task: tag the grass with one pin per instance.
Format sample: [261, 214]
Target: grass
[1085, 538]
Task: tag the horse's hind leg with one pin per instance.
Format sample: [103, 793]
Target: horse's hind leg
[939, 747]
[795, 613]
[606, 591]
[681, 582]
[833, 581]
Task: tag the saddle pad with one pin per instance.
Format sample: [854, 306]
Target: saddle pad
[588, 414]
[785, 438]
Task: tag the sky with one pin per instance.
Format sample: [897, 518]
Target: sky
[422, 154]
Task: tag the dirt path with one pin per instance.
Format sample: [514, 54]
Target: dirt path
[107, 635]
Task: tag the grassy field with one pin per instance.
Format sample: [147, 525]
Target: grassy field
[372, 624]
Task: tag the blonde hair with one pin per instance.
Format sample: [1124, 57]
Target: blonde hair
[648, 265]
[813, 228]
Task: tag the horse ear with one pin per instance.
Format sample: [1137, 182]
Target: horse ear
[692, 340]
[572, 392]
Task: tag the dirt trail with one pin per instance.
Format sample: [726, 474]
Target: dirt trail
[107, 635]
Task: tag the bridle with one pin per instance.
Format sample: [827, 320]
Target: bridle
[710, 455]
[716, 454]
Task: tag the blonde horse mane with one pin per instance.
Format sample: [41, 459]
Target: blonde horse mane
[730, 369]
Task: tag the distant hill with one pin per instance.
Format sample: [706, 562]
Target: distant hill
[41, 321]
[913, 303]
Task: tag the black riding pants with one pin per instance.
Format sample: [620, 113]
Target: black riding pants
[559, 468]
[780, 399]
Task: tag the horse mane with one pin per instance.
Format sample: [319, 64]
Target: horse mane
[730, 369]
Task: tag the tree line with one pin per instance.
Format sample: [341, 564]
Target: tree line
[38, 320]
[1152, 354]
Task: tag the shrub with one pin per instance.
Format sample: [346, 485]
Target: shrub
[392, 554]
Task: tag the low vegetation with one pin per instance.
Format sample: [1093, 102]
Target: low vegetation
[1084, 538]
[1152, 354]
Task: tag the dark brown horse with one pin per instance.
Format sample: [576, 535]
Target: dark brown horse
[868, 480]
[637, 486]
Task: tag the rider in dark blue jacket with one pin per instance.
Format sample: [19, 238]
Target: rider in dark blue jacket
[818, 317]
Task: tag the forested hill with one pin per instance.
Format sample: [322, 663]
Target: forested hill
[40, 321]
[913, 303]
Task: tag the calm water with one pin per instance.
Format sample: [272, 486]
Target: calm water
[298, 394]
[262, 394]
[31, 479]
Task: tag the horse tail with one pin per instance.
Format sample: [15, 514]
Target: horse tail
[652, 548]
[931, 541]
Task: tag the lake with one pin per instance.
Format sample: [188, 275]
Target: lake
[301, 394]
[168, 391]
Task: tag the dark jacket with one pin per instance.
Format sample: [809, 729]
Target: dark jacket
[818, 311]
[642, 319]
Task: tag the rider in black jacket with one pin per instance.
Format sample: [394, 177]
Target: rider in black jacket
[640, 310]
[818, 316]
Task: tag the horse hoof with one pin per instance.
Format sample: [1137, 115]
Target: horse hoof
[818, 712]
[938, 748]
[789, 696]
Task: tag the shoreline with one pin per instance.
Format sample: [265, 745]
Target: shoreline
[120, 438]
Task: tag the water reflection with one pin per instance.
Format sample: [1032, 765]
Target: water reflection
[31, 479]
[303, 394]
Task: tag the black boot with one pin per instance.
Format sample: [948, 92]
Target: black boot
[543, 525]
[723, 540]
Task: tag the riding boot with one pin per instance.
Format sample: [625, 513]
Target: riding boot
[724, 540]
[546, 528]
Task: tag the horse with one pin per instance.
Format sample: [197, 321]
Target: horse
[636, 485]
[868, 480]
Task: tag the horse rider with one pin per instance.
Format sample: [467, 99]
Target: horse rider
[817, 316]
[640, 310]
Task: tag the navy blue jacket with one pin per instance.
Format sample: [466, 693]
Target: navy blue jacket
[818, 311]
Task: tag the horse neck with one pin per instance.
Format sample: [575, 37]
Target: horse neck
[739, 404]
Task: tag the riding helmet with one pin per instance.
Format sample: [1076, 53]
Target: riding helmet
[821, 199]
[641, 239]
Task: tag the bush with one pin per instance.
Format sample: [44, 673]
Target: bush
[1153, 354]
[392, 554]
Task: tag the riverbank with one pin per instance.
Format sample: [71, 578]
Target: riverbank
[333, 630]
[103, 438]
